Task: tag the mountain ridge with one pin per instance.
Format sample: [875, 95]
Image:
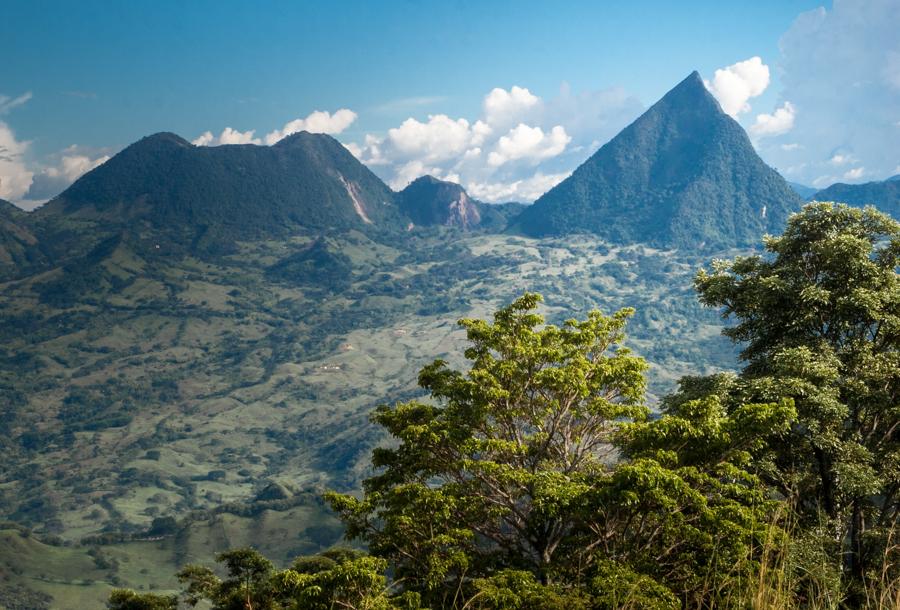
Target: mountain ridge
[883, 194]
[683, 174]
[232, 191]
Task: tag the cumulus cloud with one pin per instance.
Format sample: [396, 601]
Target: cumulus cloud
[228, 136]
[62, 169]
[530, 143]
[438, 139]
[779, 122]
[317, 122]
[502, 107]
[524, 189]
[15, 177]
[734, 85]
[840, 69]
[519, 147]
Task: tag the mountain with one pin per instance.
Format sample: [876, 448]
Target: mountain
[429, 201]
[884, 195]
[223, 193]
[801, 189]
[18, 242]
[684, 174]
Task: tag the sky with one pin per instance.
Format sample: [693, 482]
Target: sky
[506, 98]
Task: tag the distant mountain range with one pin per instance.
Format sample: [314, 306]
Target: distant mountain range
[684, 174]
[803, 190]
[884, 195]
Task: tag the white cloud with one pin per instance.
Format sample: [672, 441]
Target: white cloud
[354, 148]
[75, 166]
[438, 139]
[840, 68]
[791, 146]
[854, 174]
[519, 147]
[530, 143]
[734, 85]
[316, 122]
[62, 169]
[228, 136]
[15, 177]
[8, 103]
[779, 122]
[523, 190]
[502, 107]
[841, 159]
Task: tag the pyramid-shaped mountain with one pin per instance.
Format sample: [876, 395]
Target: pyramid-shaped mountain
[884, 195]
[684, 174]
[233, 191]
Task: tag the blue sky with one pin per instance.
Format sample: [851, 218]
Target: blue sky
[88, 78]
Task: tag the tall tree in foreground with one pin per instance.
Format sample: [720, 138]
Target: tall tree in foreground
[505, 490]
[819, 316]
[489, 472]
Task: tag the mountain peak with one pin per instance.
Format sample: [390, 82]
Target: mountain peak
[430, 201]
[683, 174]
[163, 137]
[691, 90]
[219, 194]
[300, 137]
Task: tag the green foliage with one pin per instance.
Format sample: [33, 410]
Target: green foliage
[504, 489]
[247, 584]
[494, 472]
[819, 319]
[123, 599]
[519, 590]
[616, 586]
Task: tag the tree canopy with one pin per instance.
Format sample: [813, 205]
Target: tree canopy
[819, 319]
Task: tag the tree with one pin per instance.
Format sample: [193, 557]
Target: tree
[506, 489]
[125, 599]
[819, 318]
[247, 587]
[340, 578]
[488, 473]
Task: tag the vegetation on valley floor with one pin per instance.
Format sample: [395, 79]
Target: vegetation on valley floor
[535, 478]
